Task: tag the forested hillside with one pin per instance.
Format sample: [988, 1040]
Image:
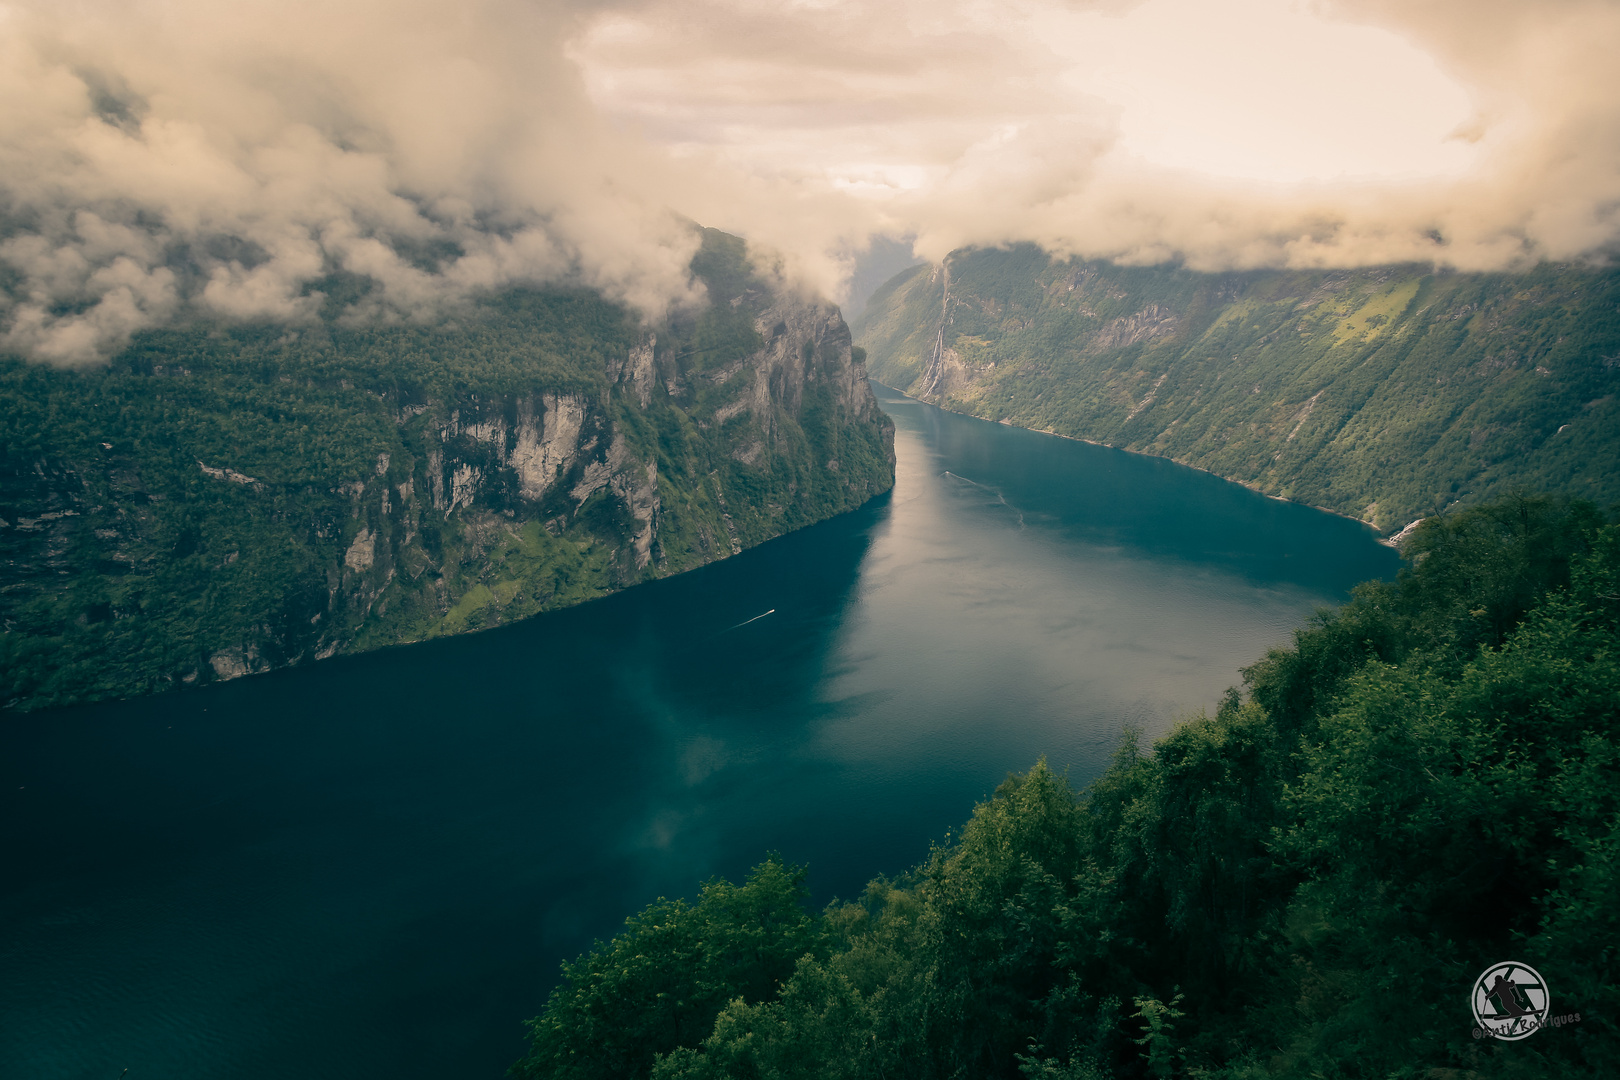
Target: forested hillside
[1385, 393]
[1306, 884]
[225, 498]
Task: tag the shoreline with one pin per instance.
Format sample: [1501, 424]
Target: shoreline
[1387, 539]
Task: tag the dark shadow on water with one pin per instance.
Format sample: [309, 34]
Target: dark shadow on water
[383, 856]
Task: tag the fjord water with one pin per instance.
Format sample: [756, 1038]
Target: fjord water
[370, 867]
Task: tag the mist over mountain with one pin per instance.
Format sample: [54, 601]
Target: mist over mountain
[166, 159]
[161, 157]
[1236, 135]
[883, 259]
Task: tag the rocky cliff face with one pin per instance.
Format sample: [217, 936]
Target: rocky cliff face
[138, 557]
[483, 488]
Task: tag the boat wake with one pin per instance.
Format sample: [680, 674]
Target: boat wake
[994, 491]
[745, 622]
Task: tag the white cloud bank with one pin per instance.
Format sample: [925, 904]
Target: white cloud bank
[1477, 133]
[254, 147]
[162, 153]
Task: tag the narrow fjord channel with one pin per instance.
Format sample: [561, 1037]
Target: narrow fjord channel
[370, 867]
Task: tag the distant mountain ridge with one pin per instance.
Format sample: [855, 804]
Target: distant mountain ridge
[1385, 393]
[226, 499]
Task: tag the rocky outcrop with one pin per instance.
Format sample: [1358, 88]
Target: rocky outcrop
[571, 464]
[471, 510]
[1153, 322]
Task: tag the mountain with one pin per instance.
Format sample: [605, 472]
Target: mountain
[223, 499]
[1385, 393]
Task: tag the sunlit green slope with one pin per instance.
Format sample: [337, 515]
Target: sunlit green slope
[1382, 393]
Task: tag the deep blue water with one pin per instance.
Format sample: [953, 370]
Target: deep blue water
[372, 866]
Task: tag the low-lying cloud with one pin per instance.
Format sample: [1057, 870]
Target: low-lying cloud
[228, 158]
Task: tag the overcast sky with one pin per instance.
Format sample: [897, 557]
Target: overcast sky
[273, 141]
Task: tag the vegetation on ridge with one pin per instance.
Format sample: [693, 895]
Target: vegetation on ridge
[1305, 884]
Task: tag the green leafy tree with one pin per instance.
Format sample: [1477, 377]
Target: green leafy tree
[661, 983]
[1412, 792]
[1158, 1034]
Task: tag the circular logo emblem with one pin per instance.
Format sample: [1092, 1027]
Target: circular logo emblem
[1510, 1002]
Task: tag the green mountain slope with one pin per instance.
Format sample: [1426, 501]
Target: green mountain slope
[1383, 393]
[224, 499]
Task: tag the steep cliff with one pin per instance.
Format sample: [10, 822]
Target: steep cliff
[1385, 393]
[223, 500]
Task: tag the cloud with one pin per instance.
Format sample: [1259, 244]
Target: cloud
[160, 155]
[232, 156]
[1224, 134]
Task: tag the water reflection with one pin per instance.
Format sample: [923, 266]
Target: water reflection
[371, 867]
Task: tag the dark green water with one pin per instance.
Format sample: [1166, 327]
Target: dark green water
[371, 867]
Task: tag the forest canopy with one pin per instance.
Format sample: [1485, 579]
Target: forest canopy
[1427, 782]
